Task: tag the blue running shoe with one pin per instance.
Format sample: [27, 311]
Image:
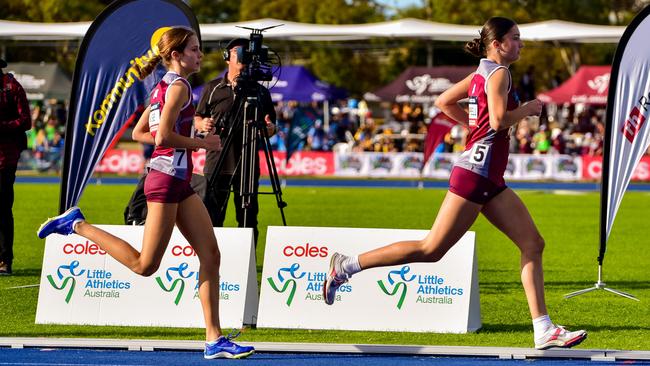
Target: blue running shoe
[225, 348]
[62, 224]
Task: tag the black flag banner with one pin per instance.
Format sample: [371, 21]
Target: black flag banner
[626, 134]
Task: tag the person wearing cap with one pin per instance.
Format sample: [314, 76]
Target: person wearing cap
[216, 114]
[14, 121]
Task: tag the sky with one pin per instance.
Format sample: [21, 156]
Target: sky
[391, 4]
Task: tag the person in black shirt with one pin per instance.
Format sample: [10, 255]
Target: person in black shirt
[216, 113]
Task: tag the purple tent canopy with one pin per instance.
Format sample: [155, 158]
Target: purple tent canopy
[421, 84]
[294, 83]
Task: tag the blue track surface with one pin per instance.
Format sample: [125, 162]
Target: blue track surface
[378, 183]
[35, 356]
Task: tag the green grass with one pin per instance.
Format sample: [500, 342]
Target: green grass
[569, 223]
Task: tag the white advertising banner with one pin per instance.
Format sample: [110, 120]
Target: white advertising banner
[627, 134]
[351, 165]
[440, 165]
[81, 284]
[417, 297]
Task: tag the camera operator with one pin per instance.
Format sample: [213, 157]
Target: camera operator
[216, 114]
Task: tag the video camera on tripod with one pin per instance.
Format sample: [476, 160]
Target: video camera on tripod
[245, 122]
[256, 58]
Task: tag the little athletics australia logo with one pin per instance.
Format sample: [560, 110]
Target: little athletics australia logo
[176, 277]
[96, 282]
[431, 288]
[287, 283]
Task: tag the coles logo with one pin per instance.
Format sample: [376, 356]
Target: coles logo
[184, 251]
[306, 250]
[86, 248]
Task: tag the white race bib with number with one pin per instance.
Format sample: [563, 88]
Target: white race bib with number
[473, 111]
[478, 154]
[154, 117]
[180, 158]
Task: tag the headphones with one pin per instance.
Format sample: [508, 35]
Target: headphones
[237, 42]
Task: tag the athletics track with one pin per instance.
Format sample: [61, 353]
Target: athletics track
[58, 352]
[369, 183]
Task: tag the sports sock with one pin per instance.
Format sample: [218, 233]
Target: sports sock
[541, 325]
[74, 224]
[351, 265]
[212, 343]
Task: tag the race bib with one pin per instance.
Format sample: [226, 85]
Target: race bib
[180, 158]
[478, 154]
[154, 117]
[473, 111]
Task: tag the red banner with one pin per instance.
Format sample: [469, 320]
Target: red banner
[439, 126]
[592, 168]
[301, 163]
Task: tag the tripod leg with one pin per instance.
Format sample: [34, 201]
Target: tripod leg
[273, 174]
[249, 145]
[580, 292]
[620, 293]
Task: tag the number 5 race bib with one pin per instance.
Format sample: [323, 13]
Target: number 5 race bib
[478, 154]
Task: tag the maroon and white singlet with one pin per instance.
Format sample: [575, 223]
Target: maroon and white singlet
[478, 173]
[170, 169]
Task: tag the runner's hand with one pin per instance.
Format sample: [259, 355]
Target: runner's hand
[212, 143]
[533, 107]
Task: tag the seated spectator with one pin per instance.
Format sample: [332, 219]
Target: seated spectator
[316, 137]
[541, 142]
[54, 157]
[558, 144]
[41, 146]
[524, 139]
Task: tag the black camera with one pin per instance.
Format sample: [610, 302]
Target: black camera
[256, 58]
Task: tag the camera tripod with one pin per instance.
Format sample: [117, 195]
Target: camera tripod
[247, 117]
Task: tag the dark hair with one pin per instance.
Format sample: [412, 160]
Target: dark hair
[175, 39]
[494, 29]
[237, 42]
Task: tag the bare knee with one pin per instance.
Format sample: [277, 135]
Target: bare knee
[210, 257]
[534, 247]
[431, 252]
[146, 269]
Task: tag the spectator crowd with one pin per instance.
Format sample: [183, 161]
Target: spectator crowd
[45, 140]
[352, 126]
[566, 129]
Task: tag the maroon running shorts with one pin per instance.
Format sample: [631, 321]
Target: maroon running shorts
[473, 187]
[163, 188]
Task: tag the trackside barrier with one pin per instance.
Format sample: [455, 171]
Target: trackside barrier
[395, 165]
[418, 297]
[81, 284]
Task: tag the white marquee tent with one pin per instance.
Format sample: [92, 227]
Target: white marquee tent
[552, 30]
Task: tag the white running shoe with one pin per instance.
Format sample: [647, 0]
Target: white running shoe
[560, 337]
[336, 276]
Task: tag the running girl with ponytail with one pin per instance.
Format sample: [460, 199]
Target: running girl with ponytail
[167, 123]
[476, 184]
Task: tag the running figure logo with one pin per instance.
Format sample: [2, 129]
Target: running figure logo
[177, 280]
[290, 283]
[69, 282]
[397, 287]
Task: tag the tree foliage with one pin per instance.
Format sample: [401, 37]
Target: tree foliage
[362, 65]
[52, 10]
[215, 11]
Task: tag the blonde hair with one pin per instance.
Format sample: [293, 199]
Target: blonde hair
[175, 39]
